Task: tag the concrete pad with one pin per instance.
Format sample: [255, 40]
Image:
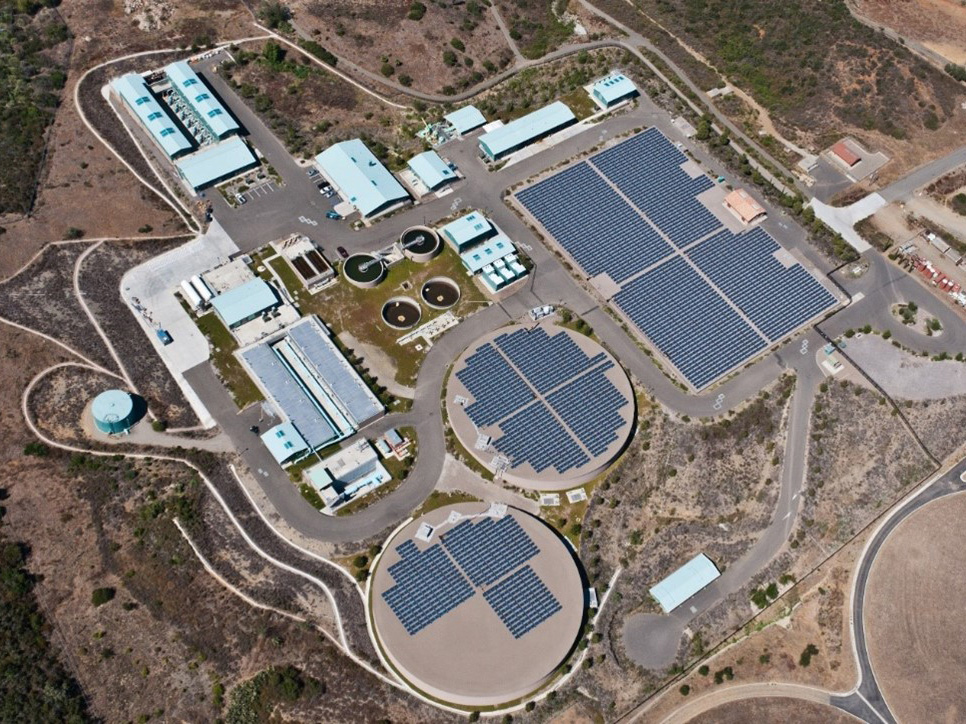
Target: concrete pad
[907, 376]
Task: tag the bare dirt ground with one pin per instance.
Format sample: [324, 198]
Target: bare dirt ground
[860, 460]
[371, 34]
[773, 709]
[938, 24]
[100, 283]
[79, 173]
[913, 601]
[683, 487]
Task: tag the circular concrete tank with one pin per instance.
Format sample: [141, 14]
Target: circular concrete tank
[401, 313]
[364, 270]
[113, 411]
[440, 292]
[420, 243]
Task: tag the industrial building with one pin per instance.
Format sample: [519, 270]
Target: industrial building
[844, 154]
[196, 104]
[431, 170]
[348, 474]
[743, 205]
[137, 96]
[502, 141]
[467, 230]
[360, 179]
[113, 412]
[496, 261]
[685, 582]
[316, 393]
[465, 119]
[246, 302]
[613, 89]
[216, 163]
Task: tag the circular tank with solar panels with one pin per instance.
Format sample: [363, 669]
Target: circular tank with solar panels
[476, 604]
[541, 406]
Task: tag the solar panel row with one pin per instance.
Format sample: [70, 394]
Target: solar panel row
[590, 220]
[428, 586]
[688, 321]
[595, 425]
[545, 361]
[488, 550]
[646, 168]
[522, 601]
[496, 388]
[534, 436]
[775, 298]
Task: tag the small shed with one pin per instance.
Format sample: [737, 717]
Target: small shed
[431, 170]
[685, 582]
[465, 119]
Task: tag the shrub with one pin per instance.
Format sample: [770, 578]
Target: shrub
[703, 670]
[806, 658]
[100, 596]
[406, 80]
[458, 44]
[685, 689]
[36, 449]
[416, 12]
[449, 58]
[274, 14]
[360, 561]
[146, 229]
[74, 233]
[159, 426]
[387, 69]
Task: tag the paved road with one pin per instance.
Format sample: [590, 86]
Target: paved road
[868, 692]
[905, 186]
[652, 640]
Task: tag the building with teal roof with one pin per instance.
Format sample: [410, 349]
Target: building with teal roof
[201, 101]
[685, 582]
[467, 230]
[285, 443]
[431, 170]
[613, 89]
[465, 119]
[360, 178]
[525, 130]
[246, 302]
[216, 163]
[156, 120]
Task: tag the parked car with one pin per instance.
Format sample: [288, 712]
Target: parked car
[164, 336]
[332, 215]
[312, 172]
[342, 252]
[240, 198]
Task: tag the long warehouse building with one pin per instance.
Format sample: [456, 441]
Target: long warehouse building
[317, 393]
[201, 101]
[526, 130]
[137, 96]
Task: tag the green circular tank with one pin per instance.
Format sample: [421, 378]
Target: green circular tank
[113, 411]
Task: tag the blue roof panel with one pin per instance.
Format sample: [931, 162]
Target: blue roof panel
[135, 92]
[217, 162]
[527, 128]
[465, 119]
[431, 169]
[360, 178]
[200, 98]
[685, 582]
[252, 297]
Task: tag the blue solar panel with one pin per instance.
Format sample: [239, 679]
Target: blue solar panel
[544, 360]
[534, 436]
[522, 601]
[646, 168]
[776, 299]
[590, 406]
[590, 220]
[496, 388]
[428, 586]
[488, 550]
[689, 322]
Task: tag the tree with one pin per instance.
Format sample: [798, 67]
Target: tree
[449, 58]
[273, 54]
[274, 14]
[387, 69]
[458, 44]
[416, 11]
[100, 596]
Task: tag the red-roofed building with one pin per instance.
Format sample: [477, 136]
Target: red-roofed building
[845, 154]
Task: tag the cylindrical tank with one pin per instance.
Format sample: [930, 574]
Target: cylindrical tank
[113, 411]
[201, 286]
[190, 295]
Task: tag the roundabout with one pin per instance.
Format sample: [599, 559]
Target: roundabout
[476, 604]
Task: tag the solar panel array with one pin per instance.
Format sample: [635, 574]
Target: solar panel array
[688, 321]
[534, 436]
[496, 388]
[506, 394]
[488, 550]
[596, 425]
[704, 326]
[522, 601]
[647, 170]
[543, 360]
[428, 586]
[775, 298]
[605, 234]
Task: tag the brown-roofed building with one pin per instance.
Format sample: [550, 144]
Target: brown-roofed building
[845, 154]
[743, 205]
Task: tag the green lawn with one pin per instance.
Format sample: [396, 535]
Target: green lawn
[347, 308]
[239, 384]
[288, 276]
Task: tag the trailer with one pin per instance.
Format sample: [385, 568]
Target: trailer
[201, 286]
[190, 295]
